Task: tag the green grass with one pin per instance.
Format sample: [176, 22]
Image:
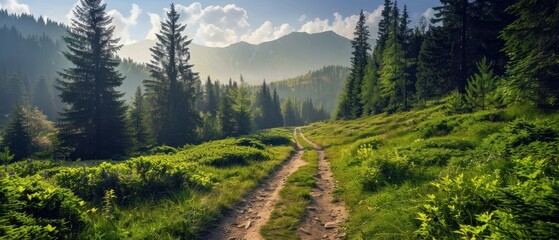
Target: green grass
[294, 197]
[163, 207]
[428, 143]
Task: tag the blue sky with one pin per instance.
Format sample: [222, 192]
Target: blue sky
[223, 22]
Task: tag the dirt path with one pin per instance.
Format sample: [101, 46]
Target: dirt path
[248, 216]
[323, 217]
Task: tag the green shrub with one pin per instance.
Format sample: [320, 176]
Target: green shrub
[436, 128]
[247, 142]
[140, 177]
[380, 170]
[31, 208]
[447, 142]
[520, 133]
[163, 150]
[456, 202]
[32, 167]
[431, 156]
[273, 140]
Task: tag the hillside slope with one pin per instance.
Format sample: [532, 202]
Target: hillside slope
[322, 86]
[432, 174]
[289, 56]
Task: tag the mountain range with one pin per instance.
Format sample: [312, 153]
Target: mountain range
[289, 56]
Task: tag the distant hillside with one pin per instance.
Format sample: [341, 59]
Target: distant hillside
[322, 86]
[31, 49]
[289, 56]
[28, 25]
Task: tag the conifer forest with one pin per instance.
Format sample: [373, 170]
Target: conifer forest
[319, 119]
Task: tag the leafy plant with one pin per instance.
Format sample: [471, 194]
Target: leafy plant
[31, 208]
[6, 157]
[481, 91]
[455, 103]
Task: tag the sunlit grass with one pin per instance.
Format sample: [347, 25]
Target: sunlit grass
[294, 197]
[390, 213]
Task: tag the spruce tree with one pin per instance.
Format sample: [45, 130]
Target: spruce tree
[12, 91]
[94, 122]
[141, 136]
[16, 137]
[350, 105]
[481, 91]
[289, 113]
[373, 102]
[392, 73]
[433, 67]
[211, 100]
[42, 98]
[531, 43]
[264, 107]
[277, 117]
[172, 87]
[226, 115]
[405, 35]
[242, 108]
[384, 24]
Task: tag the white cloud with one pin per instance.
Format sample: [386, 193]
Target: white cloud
[215, 36]
[267, 32]
[302, 18]
[217, 25]
[344, 26]
[122, 24]
[14, 7]
[428, 13]
[315, 26]
[155, 21]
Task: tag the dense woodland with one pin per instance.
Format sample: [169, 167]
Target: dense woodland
[149, 106]
[483, 53]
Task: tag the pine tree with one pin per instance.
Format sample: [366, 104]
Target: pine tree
[12, 91]
[289, 113]
[531, 43]
[384, 24]
[16, 137]
[42, 98]
[392, 73]
[226, 115]
[405, 35]
[172, 87]
[242, 108]
[264, 107]
[211, 100]
[277, 117]
[455, 18]
[94, 122]
[210, 128]
[350, 105]
[481, 91]
[373, 102]
[141, 136]
[433, 67]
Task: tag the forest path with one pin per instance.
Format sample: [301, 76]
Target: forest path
[323, 216]
[248, 216]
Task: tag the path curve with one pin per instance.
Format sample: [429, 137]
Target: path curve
[323, 218]
[248, 216]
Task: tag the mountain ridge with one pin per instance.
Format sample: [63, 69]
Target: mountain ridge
[286, 57]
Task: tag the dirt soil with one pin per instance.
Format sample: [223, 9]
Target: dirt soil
[250, 214]
[324, 216]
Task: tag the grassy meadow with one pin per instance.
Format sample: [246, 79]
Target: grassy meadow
[433, 174]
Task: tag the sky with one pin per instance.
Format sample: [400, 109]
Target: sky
[218, 23]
